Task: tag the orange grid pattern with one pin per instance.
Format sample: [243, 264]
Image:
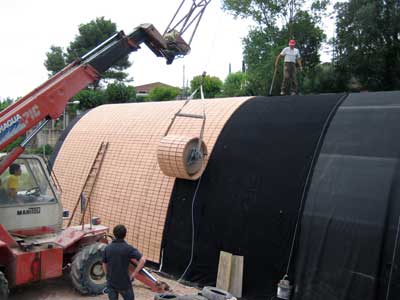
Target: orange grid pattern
[131, 189]
[172, 155]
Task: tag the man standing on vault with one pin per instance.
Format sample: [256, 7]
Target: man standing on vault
[292, 56]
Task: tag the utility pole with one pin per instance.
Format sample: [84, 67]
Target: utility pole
[183, 83]
[291, 16]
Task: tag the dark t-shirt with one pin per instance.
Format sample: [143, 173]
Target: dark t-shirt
[117, 256]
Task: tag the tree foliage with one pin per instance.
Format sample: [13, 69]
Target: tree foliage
[235, 85]
[89, 98]
[119, 93]
[323, 78]
[259, 55]
[5, 103]
[90, 35]
[163, 93]
[278, 21]
[262, 45]
[309, 37]
[114, 93]
[212, 86]
[367, 44]
[55, 60]
[264, 12]
[268, 13]
[46, 150]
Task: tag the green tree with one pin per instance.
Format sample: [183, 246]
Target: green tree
[119, 93]
[5, 103]
[264, 12]
[212, 86]
[45, 149]
[90, 35]
[269, 13]
[322, 79]
[277, 22]
[309, 37]
[90, 98]
[259, 53]
[55, 60]
[262, 46]
[367, 44]
[163, 93]
[235, 85]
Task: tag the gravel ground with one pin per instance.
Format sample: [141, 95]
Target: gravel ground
[61, 289]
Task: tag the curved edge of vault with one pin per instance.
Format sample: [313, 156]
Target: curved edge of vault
[62, 138]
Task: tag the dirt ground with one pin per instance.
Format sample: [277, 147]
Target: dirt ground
[61, 289]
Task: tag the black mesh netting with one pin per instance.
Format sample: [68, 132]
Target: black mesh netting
[250, 193]
[351, 215]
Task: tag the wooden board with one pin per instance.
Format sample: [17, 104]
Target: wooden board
[224, 270]
[236, 280]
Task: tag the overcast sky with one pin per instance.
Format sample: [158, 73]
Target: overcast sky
[28, 29]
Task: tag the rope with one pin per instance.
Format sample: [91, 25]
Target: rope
[201, 137]
[192, 247]
[211, 49]
[198, 183]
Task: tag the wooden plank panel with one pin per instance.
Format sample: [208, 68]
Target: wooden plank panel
[236, 281]
[224, 270]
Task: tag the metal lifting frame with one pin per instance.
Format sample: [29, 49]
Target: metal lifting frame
[195, 13]
[179, 113]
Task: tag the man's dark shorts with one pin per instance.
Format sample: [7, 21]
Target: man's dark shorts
[126, 295]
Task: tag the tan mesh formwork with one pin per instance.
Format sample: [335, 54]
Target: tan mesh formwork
[131, 189]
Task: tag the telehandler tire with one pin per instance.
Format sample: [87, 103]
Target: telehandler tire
[191, 297]
[87, 273]
[165, 296]
[3, 287]
[213, 293]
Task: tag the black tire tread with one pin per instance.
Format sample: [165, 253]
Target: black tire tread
[78, 268]
[3, 287]
[213, 293]
[192, 297]
[165, 296]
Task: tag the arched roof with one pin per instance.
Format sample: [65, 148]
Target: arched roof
[131, 189]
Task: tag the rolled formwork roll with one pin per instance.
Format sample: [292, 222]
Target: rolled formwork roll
[179, 156]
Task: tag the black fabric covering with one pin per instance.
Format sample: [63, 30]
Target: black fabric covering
[351, 214]
[248, 199]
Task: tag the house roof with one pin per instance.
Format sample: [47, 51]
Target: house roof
[146, 88]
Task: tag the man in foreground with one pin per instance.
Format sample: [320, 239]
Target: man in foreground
[116, 259]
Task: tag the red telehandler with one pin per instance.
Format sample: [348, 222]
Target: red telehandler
[33, 243]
